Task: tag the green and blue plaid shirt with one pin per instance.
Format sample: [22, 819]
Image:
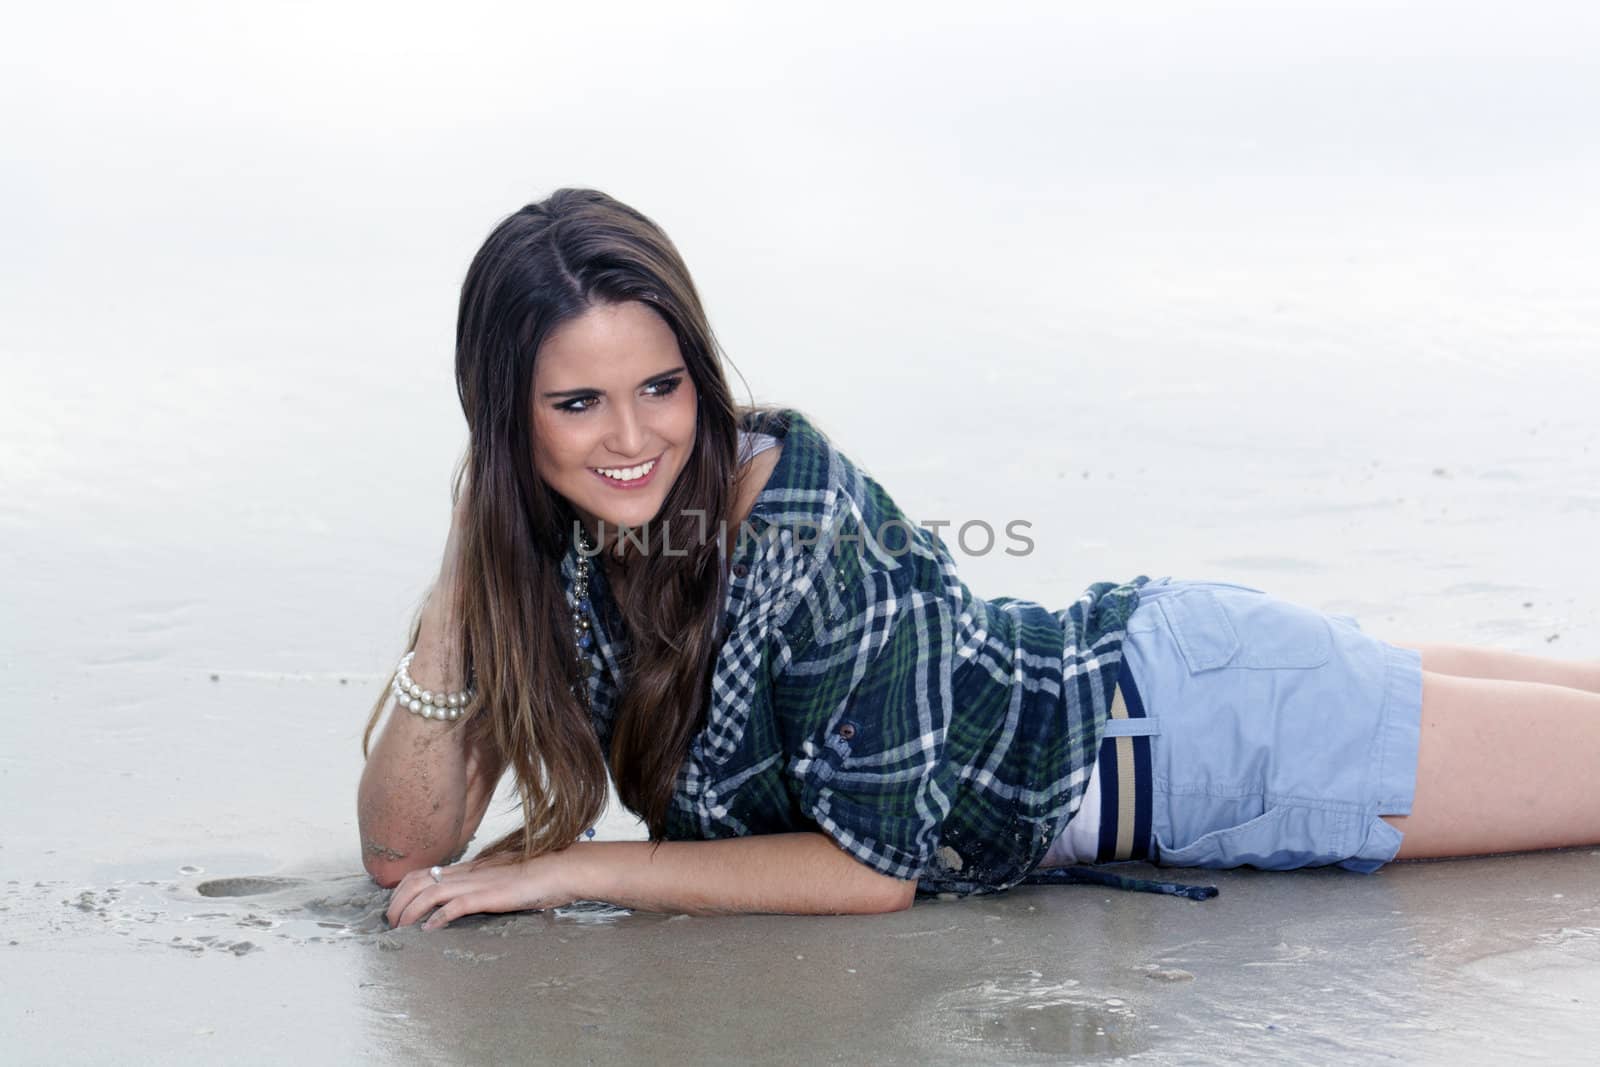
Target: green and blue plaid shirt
[863, 690]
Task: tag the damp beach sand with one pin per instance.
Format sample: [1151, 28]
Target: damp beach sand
[1428, 962]
[1350, 361]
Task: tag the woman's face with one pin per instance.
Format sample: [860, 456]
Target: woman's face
[614, 414]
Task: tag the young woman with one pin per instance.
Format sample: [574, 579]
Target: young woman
[792, 688]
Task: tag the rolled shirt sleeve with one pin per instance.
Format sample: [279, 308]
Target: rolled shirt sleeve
[869, 673]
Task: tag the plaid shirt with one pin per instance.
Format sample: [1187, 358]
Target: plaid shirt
[863, 690]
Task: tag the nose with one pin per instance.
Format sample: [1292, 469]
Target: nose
[626, 435]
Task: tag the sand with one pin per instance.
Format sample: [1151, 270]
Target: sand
[1463, 960]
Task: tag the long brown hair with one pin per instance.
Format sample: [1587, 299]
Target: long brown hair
[546, 264]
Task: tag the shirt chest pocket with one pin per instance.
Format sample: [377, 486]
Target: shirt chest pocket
[1227, 627]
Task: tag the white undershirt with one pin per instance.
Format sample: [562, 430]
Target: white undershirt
[752, 445]
[1079, 841]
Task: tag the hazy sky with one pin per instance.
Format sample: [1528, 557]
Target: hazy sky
[233, 235]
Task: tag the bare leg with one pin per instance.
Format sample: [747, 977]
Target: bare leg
[1470, 661]
[1503, 766]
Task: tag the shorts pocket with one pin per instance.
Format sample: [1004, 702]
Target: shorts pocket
[1235, 628]
[1280, 839]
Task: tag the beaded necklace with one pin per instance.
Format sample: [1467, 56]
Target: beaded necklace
[581, 636]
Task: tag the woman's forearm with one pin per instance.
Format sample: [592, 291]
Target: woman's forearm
[797, 873]
[412, 800]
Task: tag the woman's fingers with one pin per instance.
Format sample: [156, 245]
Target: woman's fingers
[465, 904]
[469, 890]
[463, 890]
[402, 894]
[414, 895]
[423, 901]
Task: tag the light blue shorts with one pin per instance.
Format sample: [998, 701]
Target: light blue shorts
[1283, 732]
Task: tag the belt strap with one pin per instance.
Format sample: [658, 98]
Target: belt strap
[1125, 802]
[1124, 765]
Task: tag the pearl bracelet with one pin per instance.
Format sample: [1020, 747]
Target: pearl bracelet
[425, 702]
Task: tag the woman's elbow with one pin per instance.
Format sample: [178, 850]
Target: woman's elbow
[894, 895]
[386, 870]
[388, 865]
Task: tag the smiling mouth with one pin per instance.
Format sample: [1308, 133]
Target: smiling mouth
[633, 475]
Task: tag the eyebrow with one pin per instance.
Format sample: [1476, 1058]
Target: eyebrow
[563, 393]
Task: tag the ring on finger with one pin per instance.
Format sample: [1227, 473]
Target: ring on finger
[437, 873]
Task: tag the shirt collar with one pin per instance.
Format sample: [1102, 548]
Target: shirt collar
[802, 473]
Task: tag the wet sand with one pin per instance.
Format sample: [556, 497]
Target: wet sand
[1468, 961]
[1200, 331]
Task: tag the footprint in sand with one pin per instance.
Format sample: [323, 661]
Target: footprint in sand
[245, 886]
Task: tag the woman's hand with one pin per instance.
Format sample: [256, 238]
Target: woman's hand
[498, 884]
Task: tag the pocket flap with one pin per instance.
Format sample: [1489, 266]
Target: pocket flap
[1202, 629]
[1221, 627]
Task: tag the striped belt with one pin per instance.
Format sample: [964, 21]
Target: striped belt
[1124, 766]
[1125, 834]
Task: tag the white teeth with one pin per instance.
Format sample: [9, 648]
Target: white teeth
[627, 474]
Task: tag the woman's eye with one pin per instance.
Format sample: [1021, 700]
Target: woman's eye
[570, 407]
[579, 404]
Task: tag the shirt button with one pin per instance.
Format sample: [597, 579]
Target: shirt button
[740, 570]
[847, 730]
